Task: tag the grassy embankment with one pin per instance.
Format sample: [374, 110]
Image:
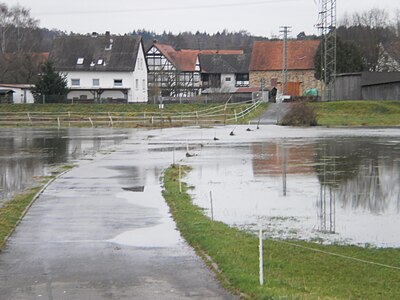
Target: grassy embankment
[143, 112]
[291, 272]
[13, 210]
[358, 113]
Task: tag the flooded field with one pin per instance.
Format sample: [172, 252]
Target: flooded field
[29, 153]
[321, 184]
[333, 186]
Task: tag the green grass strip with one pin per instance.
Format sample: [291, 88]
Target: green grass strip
[358, 113]
[290, 272]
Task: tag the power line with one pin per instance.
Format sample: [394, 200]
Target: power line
[140, 10]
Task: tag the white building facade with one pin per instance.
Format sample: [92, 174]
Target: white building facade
[21, 93]
[109, 68]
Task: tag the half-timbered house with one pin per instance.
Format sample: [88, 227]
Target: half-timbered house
[176, 73]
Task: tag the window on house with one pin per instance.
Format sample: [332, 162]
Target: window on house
[117, 82]
[144, 84]
[137, 84]
[80, 60]
[96, 82]
[227, 79]
[100, 62]
[242, 79]
[75, 82]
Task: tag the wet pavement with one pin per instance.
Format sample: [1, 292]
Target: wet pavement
[28, 153]
[273, 114]
[103, 231]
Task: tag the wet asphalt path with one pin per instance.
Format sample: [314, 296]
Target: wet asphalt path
[103, 231]
[272, 115]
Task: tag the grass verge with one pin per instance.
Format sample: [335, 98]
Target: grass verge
[358, 113]
[124, 115]
[291, 272]
[13, 211]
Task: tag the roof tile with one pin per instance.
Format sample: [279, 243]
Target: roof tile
[268, 55]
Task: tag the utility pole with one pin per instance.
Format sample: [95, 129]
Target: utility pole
[327, 28]
[285, 30]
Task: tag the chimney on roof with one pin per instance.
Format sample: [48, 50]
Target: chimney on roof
[108, 41]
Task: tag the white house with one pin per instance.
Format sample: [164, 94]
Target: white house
[102, 67]
[21, 93]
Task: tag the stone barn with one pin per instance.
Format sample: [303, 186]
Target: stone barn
[266, 64]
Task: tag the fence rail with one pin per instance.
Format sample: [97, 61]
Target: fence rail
[215, 115]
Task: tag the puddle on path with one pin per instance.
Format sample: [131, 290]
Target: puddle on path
[27, 153]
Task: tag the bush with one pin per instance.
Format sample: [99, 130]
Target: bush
[300, 114]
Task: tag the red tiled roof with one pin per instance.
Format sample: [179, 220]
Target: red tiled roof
[247, 89]
[220, 51]
[37, 57]
[267, 56]
[40, 57]
[16, 85]
[166, 50]
[185, 59]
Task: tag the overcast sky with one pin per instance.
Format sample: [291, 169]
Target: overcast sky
[121, 16]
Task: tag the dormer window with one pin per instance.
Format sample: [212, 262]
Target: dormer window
[92, 64]
[80, 60]
[100, 61]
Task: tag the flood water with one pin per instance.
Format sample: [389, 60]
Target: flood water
[319, 184]
[340, 188]
[26, 154]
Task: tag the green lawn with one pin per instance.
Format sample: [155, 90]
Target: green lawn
[358, 113]
[290, 272]
[130, 115]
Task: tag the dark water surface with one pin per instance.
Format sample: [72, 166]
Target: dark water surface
[29, 153]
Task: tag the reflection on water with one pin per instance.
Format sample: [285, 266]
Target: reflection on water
[341, 189]
[363, 174]
[28, 153]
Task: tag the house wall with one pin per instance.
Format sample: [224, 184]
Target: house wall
[348, 87]
[21, 95]
[305, 77]
[136, 93]
[135, 82]
[228, 84]
[140, 93]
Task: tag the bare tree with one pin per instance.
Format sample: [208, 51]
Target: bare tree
[370, 31]
[16, 26]
[373, 18]
[24, 24]
[396, 23]
[5, 25]
[18, 38]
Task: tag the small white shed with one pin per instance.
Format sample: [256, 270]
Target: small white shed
[22, 92]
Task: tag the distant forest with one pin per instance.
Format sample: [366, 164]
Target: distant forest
[185, 40]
